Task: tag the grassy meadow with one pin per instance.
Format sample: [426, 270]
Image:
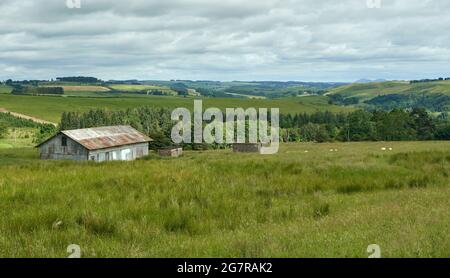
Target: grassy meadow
[306, 201]
[5, 89]
[18, 138]
[50, 108]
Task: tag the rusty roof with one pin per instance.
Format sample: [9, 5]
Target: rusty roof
[106, 137]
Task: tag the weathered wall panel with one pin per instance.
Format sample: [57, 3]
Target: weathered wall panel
[54, 149]
[129, 152]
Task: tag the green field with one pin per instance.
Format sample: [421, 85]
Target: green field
[18, 138]
[367, 91]
[433, 96]
[5, 89]
[51, 108]
[10, 143]
[137, 88]
[216, 203]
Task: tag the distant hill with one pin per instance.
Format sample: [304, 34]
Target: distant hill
[251, 89]
[433, 95]
[369, 81]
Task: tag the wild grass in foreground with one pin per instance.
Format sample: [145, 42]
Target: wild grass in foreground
[216, 203]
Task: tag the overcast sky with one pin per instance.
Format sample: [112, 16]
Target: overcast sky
[304, 40]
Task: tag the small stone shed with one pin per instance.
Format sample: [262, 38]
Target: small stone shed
[247, 148]
[171, 152]
[96, 144]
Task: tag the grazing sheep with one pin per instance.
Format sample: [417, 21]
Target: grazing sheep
[383, 149]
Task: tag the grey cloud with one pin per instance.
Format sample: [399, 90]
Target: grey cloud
[225, 40]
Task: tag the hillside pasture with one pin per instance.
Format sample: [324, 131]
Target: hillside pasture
[139, 88]
[221, 204]
[51, 108]
[367, 91]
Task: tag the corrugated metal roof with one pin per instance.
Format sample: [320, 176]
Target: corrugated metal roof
[106, 137]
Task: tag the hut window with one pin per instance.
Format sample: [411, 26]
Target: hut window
[64, 141]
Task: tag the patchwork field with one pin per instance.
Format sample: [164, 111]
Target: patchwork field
[51, 108]
[134, 88]
[306, 201]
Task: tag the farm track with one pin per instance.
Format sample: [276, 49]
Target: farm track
[34, 119]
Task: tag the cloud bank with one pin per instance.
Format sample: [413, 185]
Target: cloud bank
[305, 40]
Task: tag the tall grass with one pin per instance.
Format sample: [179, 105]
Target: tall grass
[216, 203]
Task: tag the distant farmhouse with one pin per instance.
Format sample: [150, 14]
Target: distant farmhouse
[96, 144]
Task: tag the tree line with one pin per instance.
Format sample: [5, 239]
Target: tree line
[429, 80]
[360, 125]
[79, 79]
[154, 122]
[32, 90]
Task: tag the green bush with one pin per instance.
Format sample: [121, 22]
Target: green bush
[3, 130]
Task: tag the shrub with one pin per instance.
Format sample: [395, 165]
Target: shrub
[350, 188]
[97, 225]
[3, 130]
[321, 210]
[419, 182]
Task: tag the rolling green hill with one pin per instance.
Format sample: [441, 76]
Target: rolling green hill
[434, 95]
[371, 90]
[250, 89]
[51, 108]
[140, 88]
